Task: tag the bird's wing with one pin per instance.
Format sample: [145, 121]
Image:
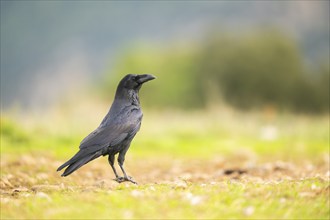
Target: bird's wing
[109, 136]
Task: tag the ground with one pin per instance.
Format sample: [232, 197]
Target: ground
[188, 165]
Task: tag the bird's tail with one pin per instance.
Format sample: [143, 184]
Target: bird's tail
[78, 160]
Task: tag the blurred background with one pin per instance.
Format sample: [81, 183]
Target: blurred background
[236, 123]
[245, 54]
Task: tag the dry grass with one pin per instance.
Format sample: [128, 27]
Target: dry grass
[196, 184]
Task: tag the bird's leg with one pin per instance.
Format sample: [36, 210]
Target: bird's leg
[111, 160]
[121, 159]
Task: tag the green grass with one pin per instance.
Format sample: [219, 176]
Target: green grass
[185, 137]
[178, 159]
[221, 200]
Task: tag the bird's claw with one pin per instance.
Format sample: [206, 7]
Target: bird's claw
[131, 180]
[121, 179]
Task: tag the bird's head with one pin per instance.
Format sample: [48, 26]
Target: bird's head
[132, 82]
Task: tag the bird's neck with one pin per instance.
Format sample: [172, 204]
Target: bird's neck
[131, 96]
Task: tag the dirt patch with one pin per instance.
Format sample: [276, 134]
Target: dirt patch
[33, 175]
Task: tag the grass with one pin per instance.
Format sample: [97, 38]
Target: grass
[217, 200]
[218, 164]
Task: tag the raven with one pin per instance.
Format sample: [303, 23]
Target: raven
[116, 131]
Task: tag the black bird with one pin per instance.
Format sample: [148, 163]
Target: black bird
[116, 131]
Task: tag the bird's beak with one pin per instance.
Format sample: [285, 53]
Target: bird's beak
[145, 78]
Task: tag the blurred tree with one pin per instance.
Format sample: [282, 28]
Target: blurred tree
[177, 86]
[311, 94]
[253, 70]
[247, 71]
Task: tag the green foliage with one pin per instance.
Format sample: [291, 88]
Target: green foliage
[247, 71]
[177, 84]
[11, 132]
[181, 134]
[254, 70]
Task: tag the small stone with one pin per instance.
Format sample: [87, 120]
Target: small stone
[152, 188]
[186, 176]
[314, 187]
[45, 188]
[307, 194]
[5, 200]
[100, 184]
[248, 210]
[136, 193]
[6, 183]
[180, 185]
[42, 176]
[26, 195]
[282, 200]
[193, 199]
[43, 196]
[20, 189]
[128, 214]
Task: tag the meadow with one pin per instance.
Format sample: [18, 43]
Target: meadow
[213, 164]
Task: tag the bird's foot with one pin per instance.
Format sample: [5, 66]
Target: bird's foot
[121, 179]
[130, 179]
